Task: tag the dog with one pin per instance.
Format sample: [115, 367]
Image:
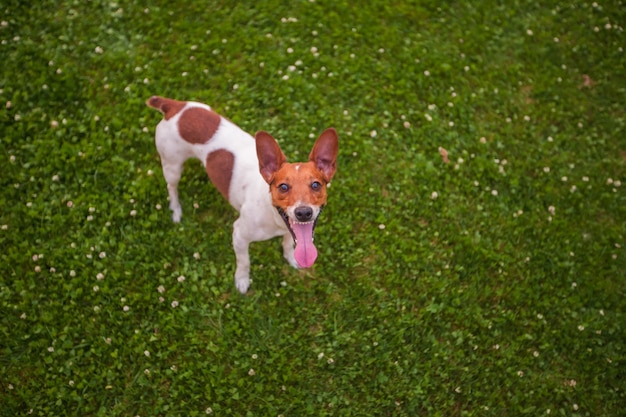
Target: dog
[273, 197]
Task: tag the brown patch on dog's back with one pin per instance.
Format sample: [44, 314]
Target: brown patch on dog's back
[167, 106]
[219, 168]
[197, 125]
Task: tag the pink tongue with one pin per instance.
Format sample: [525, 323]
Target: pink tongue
[305, 252]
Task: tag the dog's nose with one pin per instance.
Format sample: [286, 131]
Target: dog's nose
[303, 213]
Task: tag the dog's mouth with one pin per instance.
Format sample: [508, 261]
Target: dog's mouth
[302, 232]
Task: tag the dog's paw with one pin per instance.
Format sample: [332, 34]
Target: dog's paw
[242, 284]
[176, 216]
[290, 257]
[292, 261]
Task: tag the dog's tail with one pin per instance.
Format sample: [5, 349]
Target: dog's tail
[167, 106]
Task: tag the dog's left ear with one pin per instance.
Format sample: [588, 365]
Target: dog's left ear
[269, 154]
[324, 153]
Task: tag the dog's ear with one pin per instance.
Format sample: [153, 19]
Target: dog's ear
[269, 154]
[324, 153]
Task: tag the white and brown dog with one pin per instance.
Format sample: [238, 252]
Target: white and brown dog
[241, 168]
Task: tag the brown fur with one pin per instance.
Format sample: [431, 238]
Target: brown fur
[198, 125]
[219, 168]
[299, 181]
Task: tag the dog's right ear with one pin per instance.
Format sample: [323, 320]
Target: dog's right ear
[269, 154]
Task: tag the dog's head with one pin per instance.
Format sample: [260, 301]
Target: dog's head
[299, 189]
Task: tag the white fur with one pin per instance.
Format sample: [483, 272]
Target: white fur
[248, 194]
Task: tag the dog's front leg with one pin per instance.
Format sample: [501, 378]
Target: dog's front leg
[288, 250]
[241, 244]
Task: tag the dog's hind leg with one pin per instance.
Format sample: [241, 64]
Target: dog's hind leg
[172, 171]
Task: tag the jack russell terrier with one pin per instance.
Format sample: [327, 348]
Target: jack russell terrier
[241, 167]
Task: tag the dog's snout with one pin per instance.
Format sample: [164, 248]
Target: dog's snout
[304, 213]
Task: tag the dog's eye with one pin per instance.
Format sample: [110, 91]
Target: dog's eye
[316, 185]
[283, 188]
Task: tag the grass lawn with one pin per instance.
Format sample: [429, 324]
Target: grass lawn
[472, 256]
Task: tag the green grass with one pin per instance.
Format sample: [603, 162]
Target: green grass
[492, 285]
